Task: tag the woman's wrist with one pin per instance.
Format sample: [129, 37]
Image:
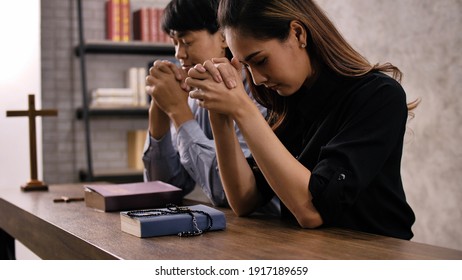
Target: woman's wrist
[219, 118]
[246, 110]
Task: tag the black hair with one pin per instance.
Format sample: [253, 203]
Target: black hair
[190, 15]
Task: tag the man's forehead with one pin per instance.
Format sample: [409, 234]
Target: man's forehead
[179, 34]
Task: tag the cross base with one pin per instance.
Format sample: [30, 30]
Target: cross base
[34, 185]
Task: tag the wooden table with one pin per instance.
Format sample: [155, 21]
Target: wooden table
[74, 231]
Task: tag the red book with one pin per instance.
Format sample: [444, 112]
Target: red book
[113, 20]
[163, 37]
[125, 20]
[141, 25]
[154, 25]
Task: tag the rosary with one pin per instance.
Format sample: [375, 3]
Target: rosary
[177, 210]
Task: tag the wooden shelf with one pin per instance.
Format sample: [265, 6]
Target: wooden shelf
[135, 112]
[132, 47]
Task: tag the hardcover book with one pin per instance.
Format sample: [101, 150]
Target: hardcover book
[120, 197]
[154, 24]
[150, 224]
[113, 23]
[141, 24]
[135, 144]
[125, 20]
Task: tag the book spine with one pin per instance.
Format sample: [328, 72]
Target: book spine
[113, 20]
[108, 101]
[160, 32]
[142, 95]
[163, 37]
[141, 25]
[153, 25]
[132, 82]
[125, 20]
[135, 144]
[113, 92]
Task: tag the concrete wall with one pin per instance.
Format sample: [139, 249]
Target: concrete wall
[422, 37]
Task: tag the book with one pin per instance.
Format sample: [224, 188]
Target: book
[115, 97]
[112, 92]
[120, 197]
[125, 20]
[132, 82]
[135, 144]
[142, 95]
[150, 226]
[163, 37]
[136, 81]
[154, 24]
[113, 101]
[113, 24]
[141, 24]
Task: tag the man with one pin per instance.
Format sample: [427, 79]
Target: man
[179, 148]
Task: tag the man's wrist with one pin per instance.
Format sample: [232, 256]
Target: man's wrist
[180, 117]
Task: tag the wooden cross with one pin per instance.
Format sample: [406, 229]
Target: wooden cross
[34, 184]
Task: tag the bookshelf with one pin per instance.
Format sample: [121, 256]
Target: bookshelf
[86, 114]
[127, 48]
[129, 112]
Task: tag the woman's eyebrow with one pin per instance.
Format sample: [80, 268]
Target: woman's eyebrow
[250, 56]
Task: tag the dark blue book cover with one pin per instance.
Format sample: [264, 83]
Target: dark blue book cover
[149, 223]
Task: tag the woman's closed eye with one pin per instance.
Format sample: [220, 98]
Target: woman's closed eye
[255, 63]
[260, 61]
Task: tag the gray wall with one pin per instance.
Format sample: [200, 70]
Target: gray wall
[422, 37]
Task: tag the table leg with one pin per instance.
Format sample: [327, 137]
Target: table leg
[7, 250]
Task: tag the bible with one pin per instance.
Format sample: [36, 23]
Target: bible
[120, 197]
[173, 220]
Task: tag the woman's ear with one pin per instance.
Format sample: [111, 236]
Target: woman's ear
[299, 32]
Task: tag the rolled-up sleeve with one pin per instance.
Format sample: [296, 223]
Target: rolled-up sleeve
[363, 156]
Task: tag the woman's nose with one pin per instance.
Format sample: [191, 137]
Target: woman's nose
[257, 77]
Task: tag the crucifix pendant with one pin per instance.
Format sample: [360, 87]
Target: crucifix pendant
[34, 184]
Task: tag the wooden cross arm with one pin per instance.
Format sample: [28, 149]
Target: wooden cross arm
[42, 113]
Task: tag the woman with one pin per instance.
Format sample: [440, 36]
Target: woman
[331, 149]
[184, 154]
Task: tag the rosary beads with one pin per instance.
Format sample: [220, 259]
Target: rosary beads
[177, 210]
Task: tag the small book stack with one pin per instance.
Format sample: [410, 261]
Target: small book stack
[120, 197]
[132, 96]
[145, 23]
[173, 224]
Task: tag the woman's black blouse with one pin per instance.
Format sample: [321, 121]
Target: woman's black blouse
[349, 133]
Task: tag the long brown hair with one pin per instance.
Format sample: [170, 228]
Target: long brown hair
[270, 19]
